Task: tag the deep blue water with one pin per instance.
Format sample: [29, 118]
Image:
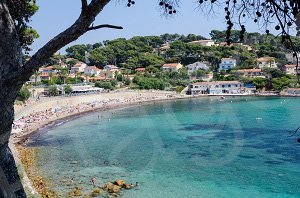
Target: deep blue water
[203, 147]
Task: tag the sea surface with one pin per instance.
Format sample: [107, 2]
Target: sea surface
[202, 147]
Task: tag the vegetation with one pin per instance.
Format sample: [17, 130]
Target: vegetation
[23, 94]
[68, 89]
[53, 91]
[105, 84]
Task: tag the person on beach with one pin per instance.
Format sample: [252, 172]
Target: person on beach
[93, 180]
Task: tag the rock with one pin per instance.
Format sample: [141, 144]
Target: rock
[119, 182]
[96, 192]
[111, 188]
[126, 186]
[75, 192]
[74, 162]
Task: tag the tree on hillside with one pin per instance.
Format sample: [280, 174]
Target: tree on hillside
[16, 37]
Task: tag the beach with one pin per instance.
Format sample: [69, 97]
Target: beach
[38, 114]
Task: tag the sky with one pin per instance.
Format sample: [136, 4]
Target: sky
[143, 18]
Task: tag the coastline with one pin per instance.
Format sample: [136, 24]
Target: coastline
[120, 99]
[25, 157]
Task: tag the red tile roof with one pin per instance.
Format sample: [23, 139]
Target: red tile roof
[290, 66]
[249, 70]
[140, 69]
[171, 64]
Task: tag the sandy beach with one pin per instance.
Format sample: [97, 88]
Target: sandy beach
[35, 115]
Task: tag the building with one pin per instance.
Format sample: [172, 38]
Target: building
[45, 76]
[217, 87]
[78, 67]
[109, 71]
[227, 63]
[197, 65]
[92, 71]
[206, 43]
[291, 92]
[266, 62]
[140, 70]
[250, 73]
[290, 69]
[171, 66]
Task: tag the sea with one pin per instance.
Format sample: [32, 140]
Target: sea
[200, 147]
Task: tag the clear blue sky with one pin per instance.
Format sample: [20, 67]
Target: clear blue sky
[144, 18]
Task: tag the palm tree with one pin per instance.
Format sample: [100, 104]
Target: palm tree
[36, 75]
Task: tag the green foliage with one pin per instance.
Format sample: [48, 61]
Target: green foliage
[149, 83]
[259, 83]
[127, 81]
[280, 83]
[68, 89]
[104, 84]
[23, 94]
[119, 77]
[179, 89]
[53, 91]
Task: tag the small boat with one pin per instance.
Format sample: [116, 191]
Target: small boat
[222, 98]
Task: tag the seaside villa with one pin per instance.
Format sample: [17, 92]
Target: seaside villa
[195, 66]
[266, 62]
[250, 73]
[227, 63]
[290, 69]
[171, 66]
[217, 87]
[206, 43]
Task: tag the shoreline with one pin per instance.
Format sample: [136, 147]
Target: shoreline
[19, 140]
[20, 137]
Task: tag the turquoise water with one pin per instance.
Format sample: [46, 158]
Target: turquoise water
[203, 147]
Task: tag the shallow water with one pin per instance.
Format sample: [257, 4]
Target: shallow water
[203, 147]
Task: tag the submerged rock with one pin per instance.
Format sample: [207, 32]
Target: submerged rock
[119, 182]
[96, 192]
[111, 188]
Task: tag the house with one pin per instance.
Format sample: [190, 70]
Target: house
[140, 70]
[78, 67]
[171, 66]
[217, 87]
[92, 71]
[35, 79]
[290, 69]
[207, 77]
[111, 68]
[45, 76]
[197, 65]
[227, 63]
[48, 70]
[250, 73]
[207, 43]
[266, 62]
[291, 92]
[110, 71]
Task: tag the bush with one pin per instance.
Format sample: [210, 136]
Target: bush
[53, 91]
[179, 89]
[119, 77]
[127, 81]
[23, 94]
[149, 83]
[68, 89]
[104, 85]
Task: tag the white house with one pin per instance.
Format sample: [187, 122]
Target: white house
[92, 71]
[290, 69]
[78, 67]
[171, 66]
[266, 62]
[207, 43]
[217, 87]
[195, 66]
[227, 63]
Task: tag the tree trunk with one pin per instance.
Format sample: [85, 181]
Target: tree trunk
[10, 61]
[10, 184]
[298, 24]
